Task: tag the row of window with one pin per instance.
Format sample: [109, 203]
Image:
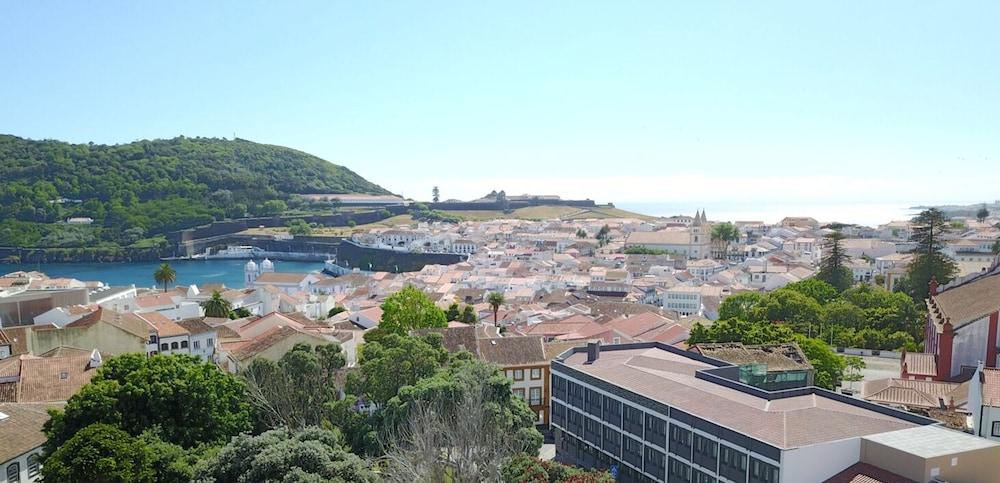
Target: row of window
[34, 470]
[518, 374]
[534, 395]
[701, 450]
[184, 345]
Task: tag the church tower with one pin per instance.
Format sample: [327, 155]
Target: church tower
[250, 273]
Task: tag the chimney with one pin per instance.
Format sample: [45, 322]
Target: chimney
[95, 360]
[593, 351]
[933, 285]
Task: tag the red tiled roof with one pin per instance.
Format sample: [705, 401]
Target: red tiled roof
[866, 473]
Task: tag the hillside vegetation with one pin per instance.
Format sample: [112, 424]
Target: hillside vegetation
[145, 188]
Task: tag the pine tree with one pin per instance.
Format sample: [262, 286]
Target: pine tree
[929, 260]
[832, 269]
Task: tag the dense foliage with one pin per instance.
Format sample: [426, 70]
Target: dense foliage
[100, 452]
[189, 401]
[409, 309]
[150, 187]
[528, 469]
[281, 455]
[291, 391]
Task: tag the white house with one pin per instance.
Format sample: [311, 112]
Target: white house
[367, 318]
[683, 299]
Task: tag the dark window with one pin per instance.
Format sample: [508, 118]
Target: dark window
[558, 414]
[706, 451]
[152, 338]
[655, 462]
[633, 420]
[678, 471]
[173, 345]
[612, 411]
[164, 347]
[574, 394]
[680, 441]
[761, 472]
[632, 451]
[732, 464]
[656, 431]
[33, 466]
[996, 428]
[574, 422]
[184, 344]
[594, 402]
[14, 473]
[612, 441]
[559, 387]
[592, 431]
[701, 477]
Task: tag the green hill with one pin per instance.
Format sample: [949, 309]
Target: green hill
[146, 188]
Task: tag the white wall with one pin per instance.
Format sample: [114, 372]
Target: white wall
[23, 462]
[817, 463]
[970, 345]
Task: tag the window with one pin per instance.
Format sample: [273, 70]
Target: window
[996, 428]
[14, 473]
[518, 374]
[210, 342]
[184, 344]
[173, 345]
[536, 374]
[64, 375]
[196, 344]
[535, 396]
[164, 347]
[519, 392]
[510, 374]
[152, 338]
[33, 466]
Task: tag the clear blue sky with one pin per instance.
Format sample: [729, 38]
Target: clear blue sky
[620, 101]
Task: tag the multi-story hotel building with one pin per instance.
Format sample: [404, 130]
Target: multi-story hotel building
[652, 412]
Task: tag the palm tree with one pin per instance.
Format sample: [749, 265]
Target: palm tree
[164, 275]
[495, 300]
[216, 306]
[724, 234]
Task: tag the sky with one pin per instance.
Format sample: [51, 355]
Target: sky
[808, 103]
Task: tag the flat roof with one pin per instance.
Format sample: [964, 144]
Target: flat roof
[805, 417]
[931, 441]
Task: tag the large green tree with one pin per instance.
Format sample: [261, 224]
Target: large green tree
[189, 401]
[929, 260]
[463, 424]
[832, 268]
[100, 453]
[410, 309]
[815, 289]
[384, 367]
[282, 455]
[292, 391]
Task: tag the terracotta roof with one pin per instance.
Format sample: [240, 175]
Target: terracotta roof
[154, 300]
[43, 379]
[866, 473]
[991, 387]
[636, 325]
[166, 327]
[195, 326]
[967, 302]
[21, 430]
[267, 339]
[512, 351]
[920, 363]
